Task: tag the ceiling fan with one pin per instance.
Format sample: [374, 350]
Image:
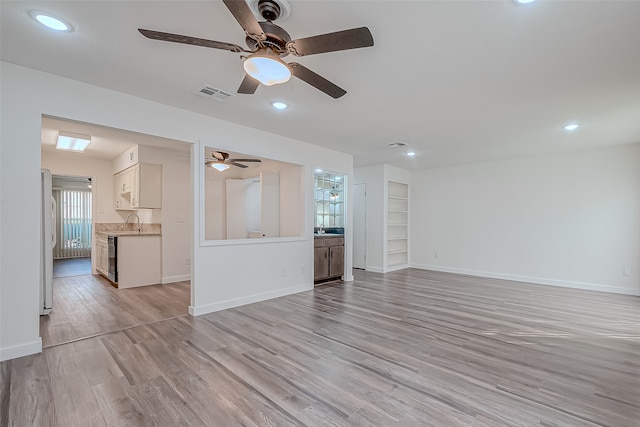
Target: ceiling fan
[267, 43]
[221, 161]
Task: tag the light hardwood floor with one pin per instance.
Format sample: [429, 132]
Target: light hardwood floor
[89, 305]
[409, 348]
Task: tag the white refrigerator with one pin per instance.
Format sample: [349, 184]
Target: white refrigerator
[47, 243]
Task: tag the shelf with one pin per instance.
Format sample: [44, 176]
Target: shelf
[396, 211]
[398, 198]
[397, 238]
[397, 252]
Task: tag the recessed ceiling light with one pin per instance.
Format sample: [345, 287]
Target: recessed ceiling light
[50, 21]
[524, 1]
[279, 105]
[572, 126]
[411, 154]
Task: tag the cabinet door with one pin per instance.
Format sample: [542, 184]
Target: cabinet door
[134, 176]
[336, 261]
[320, 263]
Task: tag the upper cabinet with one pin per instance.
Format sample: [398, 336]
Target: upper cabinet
[138, 187]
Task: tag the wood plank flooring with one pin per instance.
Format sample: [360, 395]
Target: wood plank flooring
[409, 348]
[71, 267]
[89, 305]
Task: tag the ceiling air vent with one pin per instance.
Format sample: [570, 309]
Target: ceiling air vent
[207, 91]
[397, 144]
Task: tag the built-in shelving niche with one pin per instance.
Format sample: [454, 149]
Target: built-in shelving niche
[397, 225]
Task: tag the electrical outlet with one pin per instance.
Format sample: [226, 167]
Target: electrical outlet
[302, 269]
[626, 271]
[437, 255]
[284, 272]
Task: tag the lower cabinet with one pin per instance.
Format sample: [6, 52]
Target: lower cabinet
[102, 249]
[328, 260]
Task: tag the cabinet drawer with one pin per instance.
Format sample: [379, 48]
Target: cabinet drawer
[334, 241]
[318, 242]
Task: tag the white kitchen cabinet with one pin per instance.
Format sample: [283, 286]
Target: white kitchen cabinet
[139, 260]
[139, 187]
[102, 250]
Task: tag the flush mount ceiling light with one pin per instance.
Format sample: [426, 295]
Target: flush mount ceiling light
[570, 127]
[266, 67]
[524, 1]
[220, 166]
[411, 154]
[72, 141]
[279, 105]
[50, 21]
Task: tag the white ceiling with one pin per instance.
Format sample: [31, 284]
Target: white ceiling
[457, 81]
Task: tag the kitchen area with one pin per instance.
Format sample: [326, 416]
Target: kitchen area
[129, 254]
[328, 230]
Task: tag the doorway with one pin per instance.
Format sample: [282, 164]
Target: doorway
[360, 226]
[73, 226]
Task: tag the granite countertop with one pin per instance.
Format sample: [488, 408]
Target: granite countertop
[129, 229]
[129, 233]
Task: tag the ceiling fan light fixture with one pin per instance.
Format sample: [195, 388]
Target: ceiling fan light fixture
[220, 166]
[267, 68]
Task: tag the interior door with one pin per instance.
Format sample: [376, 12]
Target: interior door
[359, 226]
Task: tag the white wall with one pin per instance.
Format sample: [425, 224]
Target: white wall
[222, 276]
[570, 219]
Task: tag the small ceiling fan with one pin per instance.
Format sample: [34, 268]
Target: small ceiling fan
[221, 161]
[267, 43]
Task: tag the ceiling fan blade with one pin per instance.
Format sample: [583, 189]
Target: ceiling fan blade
[245, 160]
[315, 80]
[341, 40]
[241, 11]
[248, 85]
[220, 155]
[177, 38]
[237, 164]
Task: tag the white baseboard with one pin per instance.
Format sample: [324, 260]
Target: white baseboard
[375, 269]
[237, 302]
[20, 350]
[396, 267]
[528, 279]
[174, 279]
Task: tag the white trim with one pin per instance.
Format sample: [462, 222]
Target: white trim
[237, 302]
[528, 279]
[21, 350]
[374, 269]
[348, 278]
[174, 279]
[396, 267]
[252, 241]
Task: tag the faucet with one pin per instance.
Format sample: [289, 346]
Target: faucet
[126, 221]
